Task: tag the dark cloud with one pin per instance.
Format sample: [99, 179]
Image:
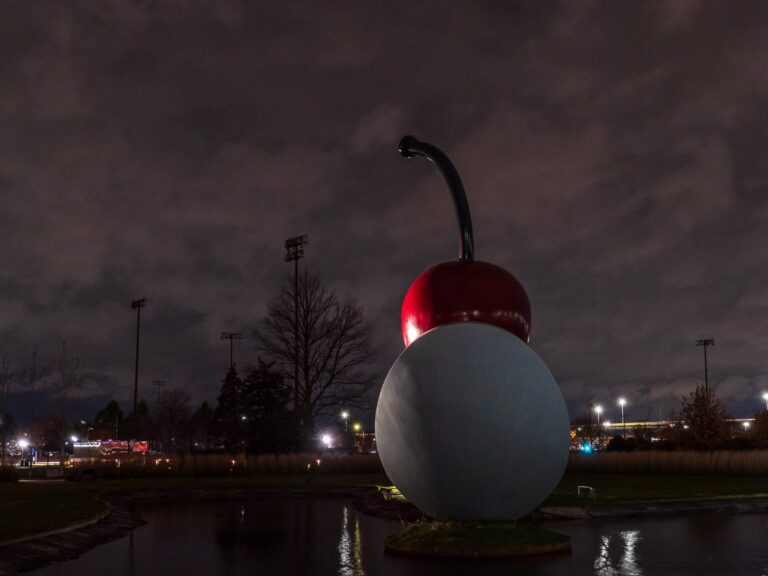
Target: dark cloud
[613, 154]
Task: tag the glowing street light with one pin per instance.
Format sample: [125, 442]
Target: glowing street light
[73, 438]
[765, 397]
[326, 440]
[622, 402]
[357, 427]
[345, 416]
[23, 444]
[598, 411]
[746, 425]
[607, 423]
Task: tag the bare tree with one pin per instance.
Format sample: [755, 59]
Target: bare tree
[6, 379]
[333, 348]
[63, 378]
[172, 418]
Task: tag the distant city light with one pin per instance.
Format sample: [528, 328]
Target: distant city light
[607, 423]
[357, 426]
[73, 438]
[746, 425]
[326, 440]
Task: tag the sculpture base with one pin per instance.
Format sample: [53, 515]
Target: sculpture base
[453, 539]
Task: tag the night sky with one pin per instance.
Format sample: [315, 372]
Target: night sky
[614, 155]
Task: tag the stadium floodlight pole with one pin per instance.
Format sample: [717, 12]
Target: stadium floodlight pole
[231, 336]
[705, 342]
[158, 384]
[32, 377]
[137, 305]
[294, 251]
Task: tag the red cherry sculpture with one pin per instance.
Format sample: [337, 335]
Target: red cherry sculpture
[462, 290]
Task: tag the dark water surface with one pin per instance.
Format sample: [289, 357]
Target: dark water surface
[322, 536]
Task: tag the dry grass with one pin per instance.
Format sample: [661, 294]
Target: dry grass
[718, 462]
[231, 465]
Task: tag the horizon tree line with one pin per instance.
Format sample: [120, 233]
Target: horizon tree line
[255, 411]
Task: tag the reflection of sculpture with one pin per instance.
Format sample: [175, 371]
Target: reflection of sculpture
[470, 423]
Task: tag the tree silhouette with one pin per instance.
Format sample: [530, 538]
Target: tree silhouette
[705, 418]
[172, 419]
[137, 424]
[109, 420]
[265, 398]
[760, 427]
[229, 410]
[202, 425]
[334, 348]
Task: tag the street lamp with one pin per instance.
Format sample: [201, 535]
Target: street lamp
[345, 416]
[765, 397]
[622, 403]
[73, 438]
[327, 441]
[358, 429]
[746, 425]
[598, 411]
[23, 444]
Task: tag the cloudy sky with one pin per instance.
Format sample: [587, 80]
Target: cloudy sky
[614, 155]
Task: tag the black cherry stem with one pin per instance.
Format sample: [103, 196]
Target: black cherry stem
[410, 147]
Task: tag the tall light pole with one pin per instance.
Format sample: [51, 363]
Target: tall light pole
[294, 251]
[137, 305]
[32, 377]
[765, 397]
[622, 403]
[705, 342]
[231, 336]
[158, 384]
[598, 411]
[345, 416]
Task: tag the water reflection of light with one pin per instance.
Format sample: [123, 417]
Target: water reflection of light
[624, 545]
[350, 548]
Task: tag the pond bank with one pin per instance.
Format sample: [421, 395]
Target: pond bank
[35, 551]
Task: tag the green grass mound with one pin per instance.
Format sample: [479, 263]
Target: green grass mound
[475, 540]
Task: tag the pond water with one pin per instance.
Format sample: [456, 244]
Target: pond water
[327, 536]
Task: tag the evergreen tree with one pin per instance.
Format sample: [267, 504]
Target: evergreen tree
[705, 418]
[109, 420]
[265, 398]
[7, 430]
[137, 425]
[202, 423]
[229, 410]
[760, 428]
